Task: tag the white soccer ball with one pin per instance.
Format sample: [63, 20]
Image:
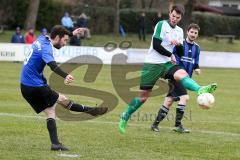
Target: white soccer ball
[205, 100]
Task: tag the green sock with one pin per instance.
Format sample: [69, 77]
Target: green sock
[132, 107]
[190, 84]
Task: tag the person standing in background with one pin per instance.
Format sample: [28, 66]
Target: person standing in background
[30, 37]
[17, 37]
[142, 27]
[67, 22]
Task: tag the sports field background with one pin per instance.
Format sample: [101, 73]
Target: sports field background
[215, 133]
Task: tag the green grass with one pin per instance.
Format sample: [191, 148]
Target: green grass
[215, 133]
[206, 43]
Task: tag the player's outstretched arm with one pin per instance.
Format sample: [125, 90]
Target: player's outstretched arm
[78, 31]
[69, 79]
[55, 68]
[196, 65]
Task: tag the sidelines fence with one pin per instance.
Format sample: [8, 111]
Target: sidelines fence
[18, 52]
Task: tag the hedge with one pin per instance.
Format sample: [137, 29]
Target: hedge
[51, 11]
[217, 24]
[129, 20]
[210, 23]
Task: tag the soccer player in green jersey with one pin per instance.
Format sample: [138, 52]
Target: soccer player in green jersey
[160, 63]
[189, 61]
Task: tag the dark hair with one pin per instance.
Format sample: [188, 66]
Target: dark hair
[193, 25]
[178, 8]
[60, 31]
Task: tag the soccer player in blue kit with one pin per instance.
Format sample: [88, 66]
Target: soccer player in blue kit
[38, 93]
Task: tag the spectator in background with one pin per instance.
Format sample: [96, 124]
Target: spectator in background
[142, 27]
[157, 19]
[82, 21]
[30, 37]
[67, 22]
[17, 37]
[75, 40]
[44, 31]
[122, 31]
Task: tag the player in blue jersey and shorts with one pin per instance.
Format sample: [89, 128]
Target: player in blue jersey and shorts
[38, 93]
[189, 61]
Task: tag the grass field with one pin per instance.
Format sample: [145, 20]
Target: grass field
[206, 43]
[215, 133]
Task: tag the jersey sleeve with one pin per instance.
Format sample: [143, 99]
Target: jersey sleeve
[158, 30]
[196, 65]
[47, 54]
[54, 67]
[175, 50]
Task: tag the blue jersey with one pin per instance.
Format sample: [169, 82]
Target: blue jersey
[39, 55]
[190, 58]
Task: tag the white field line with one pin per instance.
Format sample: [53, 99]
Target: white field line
[116, 123]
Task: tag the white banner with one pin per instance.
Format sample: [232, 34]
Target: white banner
[18, 52]
[207, 58]
[12, 52]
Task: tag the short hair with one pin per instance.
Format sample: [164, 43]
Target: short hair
[178, 8]
[44, 30]
[18, 28]
[60, 31]
[193, 25]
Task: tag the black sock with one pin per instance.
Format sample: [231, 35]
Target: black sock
[52, 129]
[78, 107]
[162, 113]
[179, 114]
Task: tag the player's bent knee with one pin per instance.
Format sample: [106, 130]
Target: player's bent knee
[62, 99]
[168, 102]
[179, 74]
[50, 112]
[144, 96]
[185, 97]
[144, 99]
[182, 72]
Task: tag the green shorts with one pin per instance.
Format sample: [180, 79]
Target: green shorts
[152, 72]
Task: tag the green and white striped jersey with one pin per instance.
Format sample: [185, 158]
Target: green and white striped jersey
[166, 33]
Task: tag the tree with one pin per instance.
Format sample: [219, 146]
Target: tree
[170, 4]
[126, 4]
[189, 8]
[150, 4]
[117, 17]
[32, 14]
[143, 4]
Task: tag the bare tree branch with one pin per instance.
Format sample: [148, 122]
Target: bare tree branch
[150, 4]
[116, 22]
[189, 8]
[143, 4]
